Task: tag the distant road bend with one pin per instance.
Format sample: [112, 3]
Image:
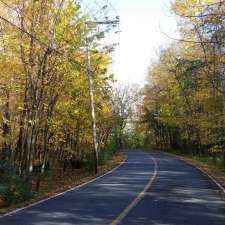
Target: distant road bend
[149, 188]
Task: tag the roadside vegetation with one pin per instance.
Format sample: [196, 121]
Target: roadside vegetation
[46, 125]
[183, 108]
[46, 136]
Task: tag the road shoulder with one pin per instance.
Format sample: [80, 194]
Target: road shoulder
[115, 162]
[216, 175]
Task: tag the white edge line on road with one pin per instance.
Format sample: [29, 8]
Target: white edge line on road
[206, 174]
[62, 193]
[201, 170]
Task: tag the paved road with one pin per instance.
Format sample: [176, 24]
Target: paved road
[149, 188]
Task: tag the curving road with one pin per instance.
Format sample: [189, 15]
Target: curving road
[149, 188]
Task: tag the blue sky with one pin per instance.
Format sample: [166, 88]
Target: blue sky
[141, 39]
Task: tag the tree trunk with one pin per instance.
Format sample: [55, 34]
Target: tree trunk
[92, 108]
[6, 123]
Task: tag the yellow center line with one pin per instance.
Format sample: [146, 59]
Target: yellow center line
[125, 212]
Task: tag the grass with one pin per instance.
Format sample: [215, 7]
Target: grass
[215, 162]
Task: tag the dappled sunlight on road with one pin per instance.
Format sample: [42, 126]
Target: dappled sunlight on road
[180, 195]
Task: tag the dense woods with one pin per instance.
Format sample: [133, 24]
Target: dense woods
[184, 99]
[51, 70]
[45, 100]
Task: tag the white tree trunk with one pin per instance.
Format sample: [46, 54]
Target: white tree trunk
[92, 108]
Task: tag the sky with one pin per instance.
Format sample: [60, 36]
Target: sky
[141, 39]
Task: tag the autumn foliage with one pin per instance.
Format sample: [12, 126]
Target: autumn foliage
[184, 99]
[44, 101]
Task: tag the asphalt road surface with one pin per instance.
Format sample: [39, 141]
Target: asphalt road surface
[149, 188]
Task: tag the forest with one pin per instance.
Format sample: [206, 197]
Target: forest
[183, 105]
[51, 71]
[45, 94]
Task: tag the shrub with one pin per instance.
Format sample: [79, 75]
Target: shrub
[12, 188]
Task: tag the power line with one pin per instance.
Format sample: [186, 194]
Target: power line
[6, 4]
[19, 11]
[23, 30]
[37, 39]
[34, 37]
[190, 41]
[45, 45]
[99, 21]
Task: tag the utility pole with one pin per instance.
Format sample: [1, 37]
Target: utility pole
[91, 91]
[92, 108]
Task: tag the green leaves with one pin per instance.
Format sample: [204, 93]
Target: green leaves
[184, 92]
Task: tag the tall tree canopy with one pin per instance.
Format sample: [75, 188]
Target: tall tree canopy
[184, 99]
[44, 101]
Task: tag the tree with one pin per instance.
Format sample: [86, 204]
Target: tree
[124, 100]
[183, 104]
[45, 114]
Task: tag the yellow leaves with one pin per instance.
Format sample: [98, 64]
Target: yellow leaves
[20, 108]
[51, 86]
[216, 149]
[2, 102]
[190, 7]
[183, 6]
[179, 6]
[31, 122]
